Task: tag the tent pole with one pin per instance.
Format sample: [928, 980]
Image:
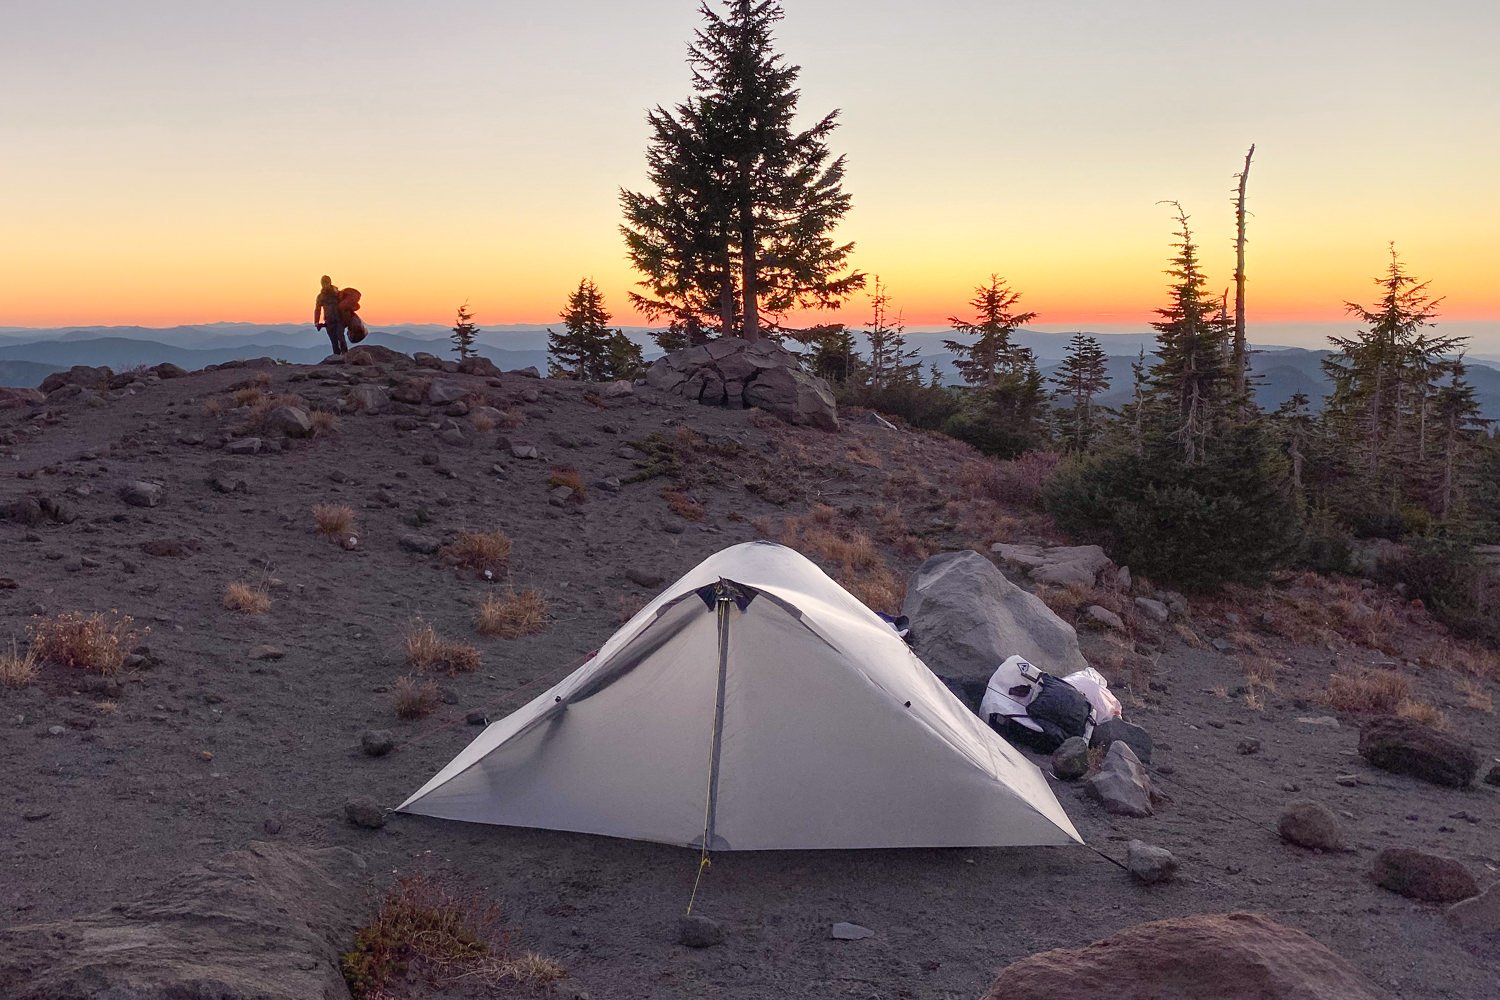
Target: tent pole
[723, 605]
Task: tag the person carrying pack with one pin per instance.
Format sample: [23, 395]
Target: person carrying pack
[328, 316]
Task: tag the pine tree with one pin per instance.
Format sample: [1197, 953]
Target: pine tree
[1082, 375]
[588, 350]
[832, 355]
[1456, 416]
[991, 354]
[464, 332]
[744, 204]
[890, 362]
[1191, 380]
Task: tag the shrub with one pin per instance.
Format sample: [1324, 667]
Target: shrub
[480, 551]
[90, 642]
[1380, 691]
[683, 505]
[323, 422]
[334, 520]
[249, 396]
[512, 616]
[243, 597]
[569, 477]
[17, 669]
[415, 697]
[1198, 527]
[1421, 711]
[482, 422]
[1019, 482]
[1446, 576]
[426, 650]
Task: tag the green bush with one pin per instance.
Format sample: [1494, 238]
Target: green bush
[1446, 576]
[1227, 520]
[1326, 546]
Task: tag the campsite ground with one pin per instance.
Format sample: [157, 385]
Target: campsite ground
[109, 794]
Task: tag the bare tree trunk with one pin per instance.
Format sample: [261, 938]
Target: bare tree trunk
[749, 268]
[726, 305]
[1239, 359]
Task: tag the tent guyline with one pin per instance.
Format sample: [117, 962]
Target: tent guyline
[825, 731]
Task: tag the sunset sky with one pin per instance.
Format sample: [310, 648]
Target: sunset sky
[175, 161]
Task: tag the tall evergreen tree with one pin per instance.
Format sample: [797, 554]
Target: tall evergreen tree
[1081, 376]
[464, 332]
[890, 363]
[587, 349]
[745, 204]
[991, 354]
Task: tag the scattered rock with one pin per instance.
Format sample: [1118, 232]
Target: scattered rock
[141, 494]
[873, 419]
[735, 373]
[1152, 609]
[265, 923]
[1059, 565]
[1478, 913]
[454, 438]
[1347, 780]
[364, 811]
[644, 577]
[243, 446]
[1311, 824]
[291, 421]
[1105, 617]
[966, 617]
[617, 389]
[1248, 746]
[1408, 747]
[1071, 760]
[699, 932]
[1493, 777]
[368, 398]
[1122, 785]
[1234, 956]
[443, 391]
[609, 484]
[424, 544]
[1114, 730]
[1149, 865]
[377, 742]
[524, 451]
[1431, 878]
[267, 653]
[477, 719]
[478, 365]
[845, 931]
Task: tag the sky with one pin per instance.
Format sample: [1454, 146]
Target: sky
[174, 161]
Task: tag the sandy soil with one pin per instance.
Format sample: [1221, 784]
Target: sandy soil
[120, 800]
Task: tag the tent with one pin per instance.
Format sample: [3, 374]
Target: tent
[754, 705]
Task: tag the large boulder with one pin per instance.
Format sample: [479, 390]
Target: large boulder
[264, 923]
[374, 354]
[1233, 956]
[1122, 785]
[735, 373]
[478, 365]
[966, 618]
[1059, 565]
[1311, 824]
[1408, 747]
[83, 376]
[292, 421]
[15, 399]
[1416, 874]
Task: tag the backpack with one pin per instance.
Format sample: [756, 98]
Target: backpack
[349, 301]
[1032, 708]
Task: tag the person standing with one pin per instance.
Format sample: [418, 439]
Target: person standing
[327, 316]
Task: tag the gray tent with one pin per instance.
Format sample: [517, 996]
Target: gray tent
[757, 705]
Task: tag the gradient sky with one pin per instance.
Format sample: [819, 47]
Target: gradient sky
[176, 161]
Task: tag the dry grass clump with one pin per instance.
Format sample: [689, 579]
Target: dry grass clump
[95, 643]
[17, 669]
[1380, 691]
[247, 599]
[261, 379]
[250, 396]
[415, 697]
[569, 477]
[214, 405]
[427, 651]
[482, 422]
[481, 550]
[1423, 712]
[683, 505]
[852, 558]
[1475, 696]
[868, 457]
[323, 422]
[1019, 482]
[422, 931]
[1260, 671]
[513, 615]
[334, 520]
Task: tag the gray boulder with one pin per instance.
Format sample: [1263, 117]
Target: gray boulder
[1118, 730]
[478, 365]
[369, 398]
[141, 494]
[1431, 878]
[734, 373]
[292, 421]
[264, 923]
[1071, 760]
[699, 932]
[1148, 864]
[1311, 824]
[966, 617]
[617, 389]
[364, 811]
[1122, 786]
[1477, 913]
[1408, 747]
[1154, 610]
[1104, 617]
[1059, 565]
[442, 392]
[243, 446]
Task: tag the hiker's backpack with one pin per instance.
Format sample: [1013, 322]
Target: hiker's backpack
[349, 301]
[355, 329]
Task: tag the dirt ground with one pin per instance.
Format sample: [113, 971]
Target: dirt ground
[205, 748]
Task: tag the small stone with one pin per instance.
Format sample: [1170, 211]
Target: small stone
[1118, 729]
[1122, 786]
[1419, 875]
[699, 932]
[1149, 865]
[1105, 617]
[454, 438]
[364, 811]
[1493, 777]
[1071, 760]
[644, 577]
[243, 446]
[141, 494]
[477, 719]
[267, 652]
[524, 451]
[617, 389]
[609, 484]
[55, 730]
[1347, 780]
[845, 931]
[1155, 610]
[424, 544]
[1311, 824]
[559, 495]
[1248, 746]
[272, 825]
[377, 742]
[1223, 645]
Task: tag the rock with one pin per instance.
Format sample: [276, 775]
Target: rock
[1122, 578]
[1248, 746]
[454, 438]
[168, 370]
[1408, 747]
[1347, 780]
[424, 544]
[1431, 878]
[1234, 956]
[443, 391]
[733, 372]
[365, 812]
[226, 482]
[368, 398]
[617, 389]
[609, 484]
[264, 923]
[1311, 824]
[966, 618]
[374, 354]
[1478, 913]
[1493, 777]
[267, 653]
[1122, 785]
[291, 421]
[1114, 730]
[845, 931]
[528, 372]
[1154, 610]
[243, 446]
[83, 376]
[1149, 865]
[377, 742]
[16, 398]
[699, 932]
[873, 419]
[477, 719]
[425, 360]
[1071, 760]
[644, 577]
[480, 366]
[1105, 617]
[524, 451]
[141, 494]
[26, 510]
[1059, 565]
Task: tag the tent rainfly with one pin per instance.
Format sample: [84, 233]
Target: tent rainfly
[753, 705]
